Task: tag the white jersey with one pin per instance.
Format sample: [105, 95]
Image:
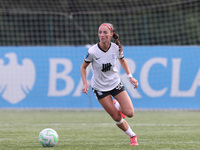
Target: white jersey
[105, 74]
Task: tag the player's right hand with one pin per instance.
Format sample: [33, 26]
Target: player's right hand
[85, 88]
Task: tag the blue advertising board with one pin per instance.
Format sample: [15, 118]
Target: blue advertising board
[49, 77]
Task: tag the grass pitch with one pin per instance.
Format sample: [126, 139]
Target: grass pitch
[95, 130]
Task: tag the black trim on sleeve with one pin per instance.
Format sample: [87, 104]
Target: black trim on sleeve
[87, 61]
[122, 57]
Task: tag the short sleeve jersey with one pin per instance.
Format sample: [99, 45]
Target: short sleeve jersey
[105, 74]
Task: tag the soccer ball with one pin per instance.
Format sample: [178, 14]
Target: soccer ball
[48, 137]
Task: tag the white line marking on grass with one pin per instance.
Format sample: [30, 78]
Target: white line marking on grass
[96, 124]
[167, 125]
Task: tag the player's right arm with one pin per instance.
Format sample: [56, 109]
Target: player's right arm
[83, 77]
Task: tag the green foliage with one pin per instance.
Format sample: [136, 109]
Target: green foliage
[75, 22]
[95, 130]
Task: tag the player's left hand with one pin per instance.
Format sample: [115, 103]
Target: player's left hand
[134, 82]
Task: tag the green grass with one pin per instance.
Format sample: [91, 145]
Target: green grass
[95, 130]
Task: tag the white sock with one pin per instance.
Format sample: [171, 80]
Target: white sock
[117, 105]
[129, 132]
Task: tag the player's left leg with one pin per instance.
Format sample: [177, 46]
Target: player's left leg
[107, 104]
[117, 105]
[109, 107]
[126, 106]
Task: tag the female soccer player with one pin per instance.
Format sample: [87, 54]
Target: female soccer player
[105, 81]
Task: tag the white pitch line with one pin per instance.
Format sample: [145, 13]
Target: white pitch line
[97, 124]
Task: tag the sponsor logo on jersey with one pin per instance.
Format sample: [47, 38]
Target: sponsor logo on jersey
[106, 67]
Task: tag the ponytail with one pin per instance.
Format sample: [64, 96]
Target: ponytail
[116, 37]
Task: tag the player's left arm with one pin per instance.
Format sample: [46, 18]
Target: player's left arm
[125, 66]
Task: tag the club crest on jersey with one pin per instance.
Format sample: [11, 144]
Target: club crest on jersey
[87, 55]
[113, 56]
